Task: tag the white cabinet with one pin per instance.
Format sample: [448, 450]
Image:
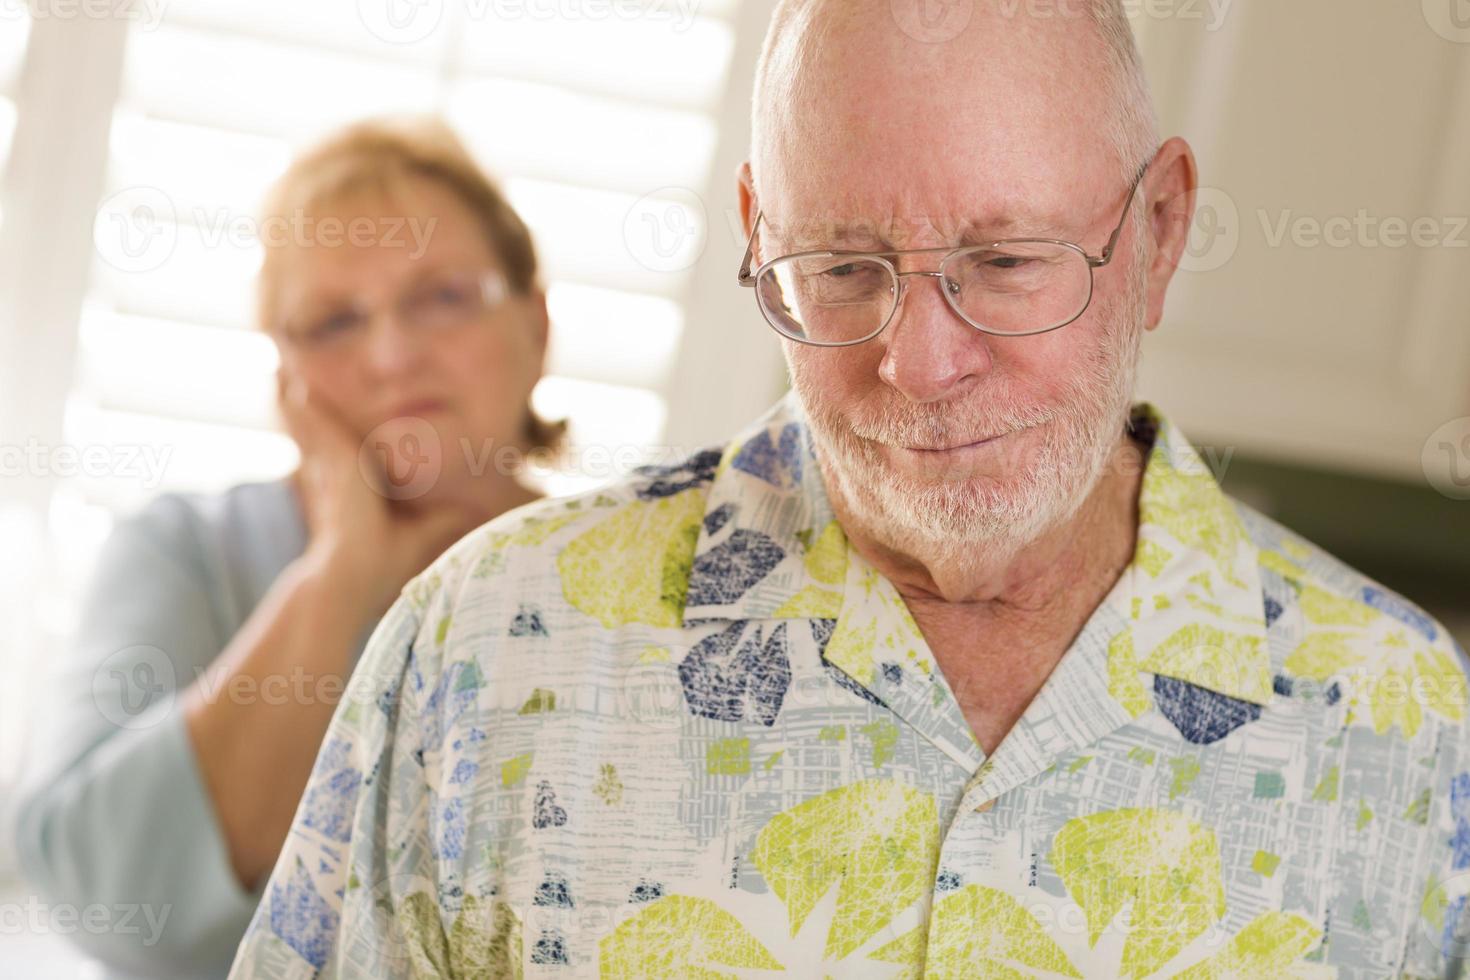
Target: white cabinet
[1322, 315]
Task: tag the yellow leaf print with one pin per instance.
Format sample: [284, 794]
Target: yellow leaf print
[827, 560]
[851, 649]
[1282, 565]
[679, 937]
[1397, 680]
[634, 566]
[1226, 662]
[868, 602]
[981, 932]
[884, 734]
[1191, 507]
[1266, 949]
[1320, 655]
[811, 602]
[1124, 684]
[532, 532]
[609, 788]
[514, 769]
[1320, 606]
[485, 940]
[1152, 557]
[879, 839]
[1162, 864]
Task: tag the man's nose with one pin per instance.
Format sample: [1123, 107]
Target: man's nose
[931, 353]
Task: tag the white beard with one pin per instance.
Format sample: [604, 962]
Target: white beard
[962, 522]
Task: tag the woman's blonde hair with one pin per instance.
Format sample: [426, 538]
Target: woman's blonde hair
[376, 155]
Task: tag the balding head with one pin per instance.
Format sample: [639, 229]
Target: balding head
[839, 78]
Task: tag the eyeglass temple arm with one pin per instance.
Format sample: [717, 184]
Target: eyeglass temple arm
[1107, 253]
[744, 277]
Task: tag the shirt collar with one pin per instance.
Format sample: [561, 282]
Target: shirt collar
[1197, 607]
[769, 547]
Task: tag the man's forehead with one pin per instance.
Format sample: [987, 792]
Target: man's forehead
[869, 97]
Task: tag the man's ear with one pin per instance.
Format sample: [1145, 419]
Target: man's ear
[1172, 182]
[745, 188]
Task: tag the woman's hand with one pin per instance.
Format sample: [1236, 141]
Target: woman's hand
[360, 538]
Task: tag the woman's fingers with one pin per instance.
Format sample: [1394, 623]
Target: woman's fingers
[316, 430]
[291, 398]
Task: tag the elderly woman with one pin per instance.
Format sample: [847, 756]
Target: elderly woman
[402, 293]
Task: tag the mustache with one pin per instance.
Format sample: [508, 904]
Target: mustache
[918, 425]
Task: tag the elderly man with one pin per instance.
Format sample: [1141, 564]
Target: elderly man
[957, 663]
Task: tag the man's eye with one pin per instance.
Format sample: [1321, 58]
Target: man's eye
[1008, 262]
[846, 269]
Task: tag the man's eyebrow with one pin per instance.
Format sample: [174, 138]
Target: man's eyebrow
[1010, 226]
[896, 234]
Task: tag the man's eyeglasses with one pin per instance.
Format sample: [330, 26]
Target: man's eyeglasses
[439, 304]
[1015, 287]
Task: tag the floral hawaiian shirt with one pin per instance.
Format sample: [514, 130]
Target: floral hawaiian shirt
[679, 728]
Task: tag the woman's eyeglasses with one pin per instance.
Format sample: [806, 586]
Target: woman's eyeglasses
[439, 304]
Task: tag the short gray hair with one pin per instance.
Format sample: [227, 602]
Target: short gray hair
[1132, 126]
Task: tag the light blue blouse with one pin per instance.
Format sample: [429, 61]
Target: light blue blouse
[114, 809]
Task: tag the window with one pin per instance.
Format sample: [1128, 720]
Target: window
[605, 121]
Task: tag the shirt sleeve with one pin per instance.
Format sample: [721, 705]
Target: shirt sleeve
[1440, 941]
[113, 808]
[354, 890]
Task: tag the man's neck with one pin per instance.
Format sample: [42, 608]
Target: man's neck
[998, 631]
[1046, 578]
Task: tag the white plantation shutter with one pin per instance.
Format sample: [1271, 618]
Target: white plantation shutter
[215, 97]
[18, 527]
[13, 36]
[607, 121]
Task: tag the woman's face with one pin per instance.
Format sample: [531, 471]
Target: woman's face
[386, 327]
